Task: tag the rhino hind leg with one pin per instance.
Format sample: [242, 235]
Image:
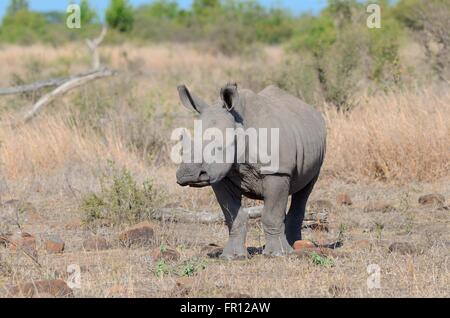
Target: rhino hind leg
[229, 198]
[276, 193]
[296, 213]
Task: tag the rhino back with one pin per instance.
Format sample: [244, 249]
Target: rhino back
[302, 132]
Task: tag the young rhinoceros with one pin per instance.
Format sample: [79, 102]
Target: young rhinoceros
[302, 141]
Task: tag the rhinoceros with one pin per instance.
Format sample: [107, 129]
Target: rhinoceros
[302, 143]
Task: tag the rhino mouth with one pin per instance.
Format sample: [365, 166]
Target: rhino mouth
[195, 181]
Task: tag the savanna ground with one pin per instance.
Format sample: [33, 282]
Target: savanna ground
[387, 152]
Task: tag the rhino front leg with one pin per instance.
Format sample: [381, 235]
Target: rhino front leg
[276, 193]
[229, 198]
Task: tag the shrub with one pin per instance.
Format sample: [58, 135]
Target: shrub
[121, 202]
[23, 27]
[120, 16]
[88, 14]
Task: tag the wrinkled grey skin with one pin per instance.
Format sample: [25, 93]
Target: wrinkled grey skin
[302, 149]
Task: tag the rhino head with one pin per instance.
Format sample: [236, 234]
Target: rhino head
[220, 116]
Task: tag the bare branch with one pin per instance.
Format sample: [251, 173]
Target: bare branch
[93, 45]
[52, 82]
[312, 219]
[64, 88]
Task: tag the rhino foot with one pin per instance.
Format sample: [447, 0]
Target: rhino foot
[234, 251]
[277, 246]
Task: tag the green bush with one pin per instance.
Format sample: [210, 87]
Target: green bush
[88, 14]
[23, 27]
[122, 202]
[120, 15]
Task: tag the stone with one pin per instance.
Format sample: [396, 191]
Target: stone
[402, 248]
[138, 235]
[53, 288]
[343, 199]
[95, 243]
[166, 254]
[434, 199]
[54, 244]
[303, 244]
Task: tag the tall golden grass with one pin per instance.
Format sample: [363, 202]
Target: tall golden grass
[50, 144]
[397, 136]
[400, 136]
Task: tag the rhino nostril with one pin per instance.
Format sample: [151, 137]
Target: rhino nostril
[203, 176]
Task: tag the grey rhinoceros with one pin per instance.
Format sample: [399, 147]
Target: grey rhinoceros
[302, 142]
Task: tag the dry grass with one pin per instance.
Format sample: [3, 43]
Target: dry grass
[395, 137]
[49, 144]
[391, 149]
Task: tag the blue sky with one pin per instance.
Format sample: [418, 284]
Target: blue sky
[297, 6]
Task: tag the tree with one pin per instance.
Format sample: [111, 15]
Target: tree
[430, 22]
[88, 14]
[16, 6]
[201, 7]
[119, 15]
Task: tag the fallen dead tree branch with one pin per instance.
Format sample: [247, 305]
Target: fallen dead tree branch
[314, 220]
[64, 88]
[64, 84]
[52, 82]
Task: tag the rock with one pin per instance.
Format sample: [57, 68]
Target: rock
[54, 244]
[23, 242]
[343, 199]
[303, 244]
[138, 235]
[166, 254]
[54, 288]
[379, 207]
[434, 199]
[96, 243]
[402, 248]
[237, 295]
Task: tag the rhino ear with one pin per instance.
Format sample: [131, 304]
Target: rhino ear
[230, 96]
[191, 101]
